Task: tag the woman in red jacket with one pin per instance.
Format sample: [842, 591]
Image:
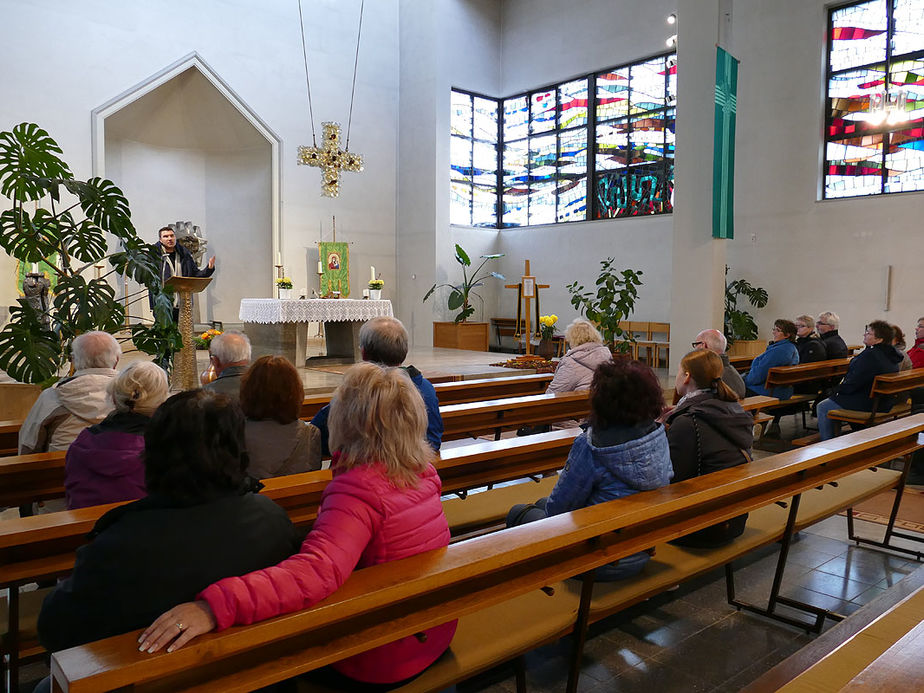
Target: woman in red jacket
[383, 504]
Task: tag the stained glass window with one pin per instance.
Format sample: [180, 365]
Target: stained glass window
[473, 160]
[595, 147]
[875, 54]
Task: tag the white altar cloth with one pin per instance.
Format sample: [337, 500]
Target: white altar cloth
[275, 310]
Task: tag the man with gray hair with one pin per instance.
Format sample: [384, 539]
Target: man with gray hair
[229, 353]
[61, 412]
[715, 341]
[384, 340]
[826, 326]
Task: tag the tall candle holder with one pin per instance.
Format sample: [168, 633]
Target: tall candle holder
[279, 275]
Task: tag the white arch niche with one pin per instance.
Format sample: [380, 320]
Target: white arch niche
[183, 145]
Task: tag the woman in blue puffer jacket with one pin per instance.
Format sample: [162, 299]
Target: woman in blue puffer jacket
[623, 451]
[780, 352]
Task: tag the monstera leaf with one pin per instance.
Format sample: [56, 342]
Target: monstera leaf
[27, 154]
[82, 306]
[139, 261]
[26, 238]
[28, 352]
[86, 242]
[103, 202]
[156, 339]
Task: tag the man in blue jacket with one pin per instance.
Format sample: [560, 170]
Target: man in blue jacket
[384, 340]
[780, 352]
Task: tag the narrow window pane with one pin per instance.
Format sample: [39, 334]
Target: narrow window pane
[460, 203]
[646, 88]
[858, 34]
[672, 80]
[573, 156]
[542, 203]
[572, 199]
[854, 166]
[460, 158]
[908, 75]
[909, 27]
[573, 109]
[613, 94]
[460, 121]
[515, 202]
[848, 100]
[484, 166]
[542, 156]
[484, 205]
[612, 145]
[611, 196]
[542, 111]
[485, 120]
[905, 160]
[516, 183]
[647, 138]
[516, 118]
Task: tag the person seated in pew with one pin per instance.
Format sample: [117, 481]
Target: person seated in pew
[623, 451]
[827, 326]
[61, 412]
[104, 464]
[384, 340]
[811, 349]
[916, 352]
[878, 358]
[383, 504]
[780, 352]
[278, 442]
[898, 341]
[707, 431]
[229, 355]
[201, 521]
[715, 341]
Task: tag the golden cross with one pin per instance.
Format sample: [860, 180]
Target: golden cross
[330, 159]
[527, 289]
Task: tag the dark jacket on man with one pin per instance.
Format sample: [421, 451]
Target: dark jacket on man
[811, 349]
[187, 264]
[835, 347]
[853, 392]
[150, 555]
[229, 381]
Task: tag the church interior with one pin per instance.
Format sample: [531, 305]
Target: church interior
[215, 112]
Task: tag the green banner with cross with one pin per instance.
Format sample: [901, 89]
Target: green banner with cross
[723, 156]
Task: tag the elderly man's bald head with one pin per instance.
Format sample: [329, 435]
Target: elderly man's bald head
[713, 340]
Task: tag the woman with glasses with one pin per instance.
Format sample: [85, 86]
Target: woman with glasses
[780, 352]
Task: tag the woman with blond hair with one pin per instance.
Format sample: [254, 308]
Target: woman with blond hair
[104, 465]
[586, 351]
[383, 504]
[707, 431]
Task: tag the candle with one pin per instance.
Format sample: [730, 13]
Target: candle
[320, 267]
[373, 273]
[365, 293]
[34, 268]
[278, 258]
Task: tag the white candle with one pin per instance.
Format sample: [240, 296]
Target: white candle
[372, 269]
[320, 268]
[365, 293]
[34, 267]
[278, 258]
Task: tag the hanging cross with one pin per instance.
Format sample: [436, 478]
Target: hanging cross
[527, 289]
[330, 159]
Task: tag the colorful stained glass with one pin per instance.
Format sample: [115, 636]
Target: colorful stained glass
[572, 110]
[853, 166]
[542, 203]
[647, 85]
[672, 79]
[647, 138]
[908, 75]
[848, 98]
[542, 158]
[460, 203]
[516, 165]
[858, 35]
[613, 94]
[636, 191]
[484, 205]
[484, 163]
[909, 29]
[460, 119]
[572, 153]
[572, 200]
[542, 111]
[670, 137]
[484, 124]
[460, 158]
[905, 159]
[514, 213]
[516, 118]
[612, 144]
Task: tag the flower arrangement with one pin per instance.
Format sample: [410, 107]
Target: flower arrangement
[204, 339]
[284, 283]
[547, 325]
[376, 284]
[534, 363]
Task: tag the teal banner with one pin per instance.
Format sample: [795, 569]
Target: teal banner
[723, 156]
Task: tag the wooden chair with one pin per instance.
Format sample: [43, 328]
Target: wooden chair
[639, 331]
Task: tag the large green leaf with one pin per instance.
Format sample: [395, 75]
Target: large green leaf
[462, 257]
[28, 153]
[139, 261]
[103, 202]
[456, 299]
[157, 340]
[29, 239]
[28, 352]
[86, 242]
[82, 306]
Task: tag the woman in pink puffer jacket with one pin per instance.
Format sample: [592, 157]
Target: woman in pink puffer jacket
[382, 504]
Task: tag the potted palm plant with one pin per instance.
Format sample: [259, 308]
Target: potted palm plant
[460, 333]
[740, 327]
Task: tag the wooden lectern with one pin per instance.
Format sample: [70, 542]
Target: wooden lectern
[184, 369]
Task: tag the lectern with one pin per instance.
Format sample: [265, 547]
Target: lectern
[184, 369]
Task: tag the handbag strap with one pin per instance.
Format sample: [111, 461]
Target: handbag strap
[743, 451]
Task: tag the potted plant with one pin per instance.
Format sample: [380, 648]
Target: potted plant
[284, 287]
[66, 231]
[461, 334]
[740, 328]
[375, 289]
[546, 332]
[612, 303]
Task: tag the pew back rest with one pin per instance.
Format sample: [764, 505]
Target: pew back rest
[807, 372]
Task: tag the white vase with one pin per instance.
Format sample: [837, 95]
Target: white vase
[375, 294]
[285, 293]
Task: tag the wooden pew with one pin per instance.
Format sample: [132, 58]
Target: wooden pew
[494, 573]
[9, 437]
[807, 372]
[741, 363]
[897, 385]
[493, 416]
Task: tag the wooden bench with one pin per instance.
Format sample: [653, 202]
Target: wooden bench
[493, 416]
[496, 579]
[742, 364]
[9, 437]
[893, 385]
[818, 371]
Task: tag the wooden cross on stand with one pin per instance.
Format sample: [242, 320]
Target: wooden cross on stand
[331, 159]
[527, 290]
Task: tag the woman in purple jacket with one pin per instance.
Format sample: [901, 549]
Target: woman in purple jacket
[103, 465]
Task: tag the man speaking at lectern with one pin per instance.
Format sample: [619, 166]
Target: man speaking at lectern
[177, 261]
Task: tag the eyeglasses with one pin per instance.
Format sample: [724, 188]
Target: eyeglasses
[800, 326]
[697, 345]
[819, 322]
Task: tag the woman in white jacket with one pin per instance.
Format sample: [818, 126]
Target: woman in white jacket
[576, 368]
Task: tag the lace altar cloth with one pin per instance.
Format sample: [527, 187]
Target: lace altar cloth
[275, 310]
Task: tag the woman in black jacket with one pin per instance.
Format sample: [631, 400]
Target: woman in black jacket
[707, 431]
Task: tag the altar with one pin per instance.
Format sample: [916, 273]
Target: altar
[280, 326]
